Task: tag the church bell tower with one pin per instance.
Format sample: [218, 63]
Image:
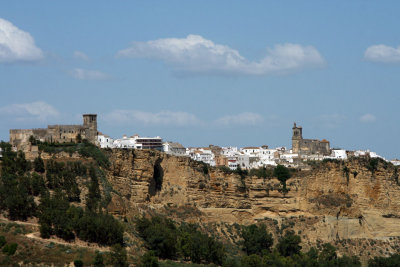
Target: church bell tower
[296, 138]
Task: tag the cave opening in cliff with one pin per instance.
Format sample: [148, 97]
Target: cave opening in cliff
[157, 181]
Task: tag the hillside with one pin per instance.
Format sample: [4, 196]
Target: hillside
[350, 204]
[353, 205]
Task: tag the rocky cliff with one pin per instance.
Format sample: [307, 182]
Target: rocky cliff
[339, 202]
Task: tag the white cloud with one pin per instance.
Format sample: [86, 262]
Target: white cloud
[368, 118]
[382, 53]
[245, 118]
[17, 45]
[198, 55]
[149, 118]
[30, 111]
[82, 74]
[80, 55]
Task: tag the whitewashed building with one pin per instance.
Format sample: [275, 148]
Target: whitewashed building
[395, 162]
[139, 142]
[243, 161]
[105, 141]
[203, 154]
[174, 148]
[250, 150]
[233, 163]
[230, 151]
[337, 154]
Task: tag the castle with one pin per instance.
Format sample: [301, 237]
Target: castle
[302, 146]
[57, 133]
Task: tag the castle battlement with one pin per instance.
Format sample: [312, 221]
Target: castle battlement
[57, 133]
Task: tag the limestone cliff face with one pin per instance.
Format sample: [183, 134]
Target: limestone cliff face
[335, 201]
[372, 200]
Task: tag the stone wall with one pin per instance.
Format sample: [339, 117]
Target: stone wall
[56, 133]
[308, 146]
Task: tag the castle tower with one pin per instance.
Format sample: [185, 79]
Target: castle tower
[90, 123]
[296, 138]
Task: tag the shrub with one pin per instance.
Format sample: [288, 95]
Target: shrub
[78, 263]
[289, 245]
[38, 165]
[168, 241]
[2, 241]
[118, 256]
[149, 260]
[98, 260]
[256, 239]
[10, 249]
[282, 174]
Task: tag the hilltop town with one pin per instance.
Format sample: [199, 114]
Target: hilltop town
[348, 200]
[302, 150]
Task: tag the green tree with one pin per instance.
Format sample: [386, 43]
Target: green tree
[38, 165]
[372, 165]
[256, 239]
[16, 198]
[2, 241]
[251, 261]
[10, 249]
[352, 261]
[160, 235]
[98, 260]
[289, 244]
[118, 256]
[94, 196]
[282, 174]
[328, 253]
[149, 259]
[392, 261]
[78, 263]
[37, 184]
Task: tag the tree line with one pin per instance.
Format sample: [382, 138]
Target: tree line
[166, 239]
[55, 184]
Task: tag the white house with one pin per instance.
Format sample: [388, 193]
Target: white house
[232, 163]
[243, 161]
[203, 154]
[337, 154]
[229, 151]
[395, 162]
[363, 153]
[105, 141]
[138, 142]
[174, 148]
[250, 150]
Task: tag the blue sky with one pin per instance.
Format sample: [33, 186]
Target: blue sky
[206, 72]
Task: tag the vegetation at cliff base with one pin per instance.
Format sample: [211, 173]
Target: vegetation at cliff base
[392, 261]
[186, 241]
[256, 239]
[55, 183]
[166, 239]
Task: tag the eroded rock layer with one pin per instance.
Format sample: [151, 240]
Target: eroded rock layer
[335, 201]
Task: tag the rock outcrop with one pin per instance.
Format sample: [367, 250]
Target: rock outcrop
[335, 201]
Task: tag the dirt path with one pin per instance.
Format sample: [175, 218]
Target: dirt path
[76, 243]
[3, 219]
[55, 240]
